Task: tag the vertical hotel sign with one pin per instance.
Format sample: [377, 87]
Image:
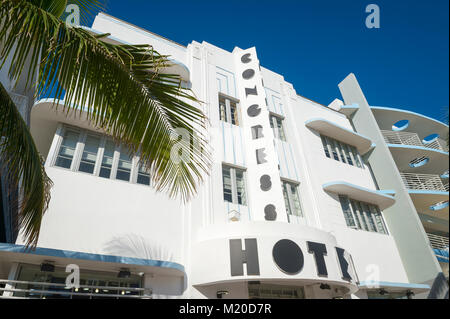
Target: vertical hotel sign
[266, 197]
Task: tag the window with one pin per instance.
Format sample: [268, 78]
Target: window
[234, 185]
[228, 110]
[107, 161]
[67, 149]
[348, 215]
[292, 199]
[124, 166]
[359, 215]
[143, 175]
[222, 109]
[325, 147]
[92, 153]
[268, 291]
[341, 152]
[276, 123]
[89, 156]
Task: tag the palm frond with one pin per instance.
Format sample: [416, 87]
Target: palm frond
[120, 87]
[53, 7]
[88, 8]
[19, 155]
[57, 7]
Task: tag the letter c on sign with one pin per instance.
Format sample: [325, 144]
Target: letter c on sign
[246, 58]
[253, 110]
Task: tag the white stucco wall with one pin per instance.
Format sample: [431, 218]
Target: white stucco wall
[95, 215]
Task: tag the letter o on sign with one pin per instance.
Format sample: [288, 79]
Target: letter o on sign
[248, 74]
[288, 256]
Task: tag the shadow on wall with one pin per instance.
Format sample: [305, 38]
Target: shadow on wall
[135, 246]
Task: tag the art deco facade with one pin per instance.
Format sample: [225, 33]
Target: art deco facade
[304, 200]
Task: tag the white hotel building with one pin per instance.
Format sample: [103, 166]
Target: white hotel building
[303, 200]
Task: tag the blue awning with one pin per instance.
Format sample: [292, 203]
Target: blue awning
[77, 255]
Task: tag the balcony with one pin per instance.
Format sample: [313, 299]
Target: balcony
[412, 139]
[438, 242]
[424, 182]
[412, 155]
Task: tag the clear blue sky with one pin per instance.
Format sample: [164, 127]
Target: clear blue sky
[314, 44]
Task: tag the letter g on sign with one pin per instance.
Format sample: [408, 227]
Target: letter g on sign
[246, 58]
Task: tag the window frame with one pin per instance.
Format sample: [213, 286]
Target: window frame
[296, 186]
[60, 138]
[278, 132]
[362, 217]
[341, 152]
[83, 137]
[79, 150]
[234, 187]
[228, 110]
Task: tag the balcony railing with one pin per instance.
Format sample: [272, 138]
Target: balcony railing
[438, 242]
[14, 289]
[424, 182]
[438, 144]
[407, 138]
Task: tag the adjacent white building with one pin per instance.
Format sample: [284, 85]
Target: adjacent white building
[303, 200]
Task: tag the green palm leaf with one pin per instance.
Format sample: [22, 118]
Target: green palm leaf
[19, 156]
[120, 87]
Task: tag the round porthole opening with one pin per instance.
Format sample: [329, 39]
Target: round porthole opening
[439, 206]
[400, 125]
[430, 138]
[418, 162]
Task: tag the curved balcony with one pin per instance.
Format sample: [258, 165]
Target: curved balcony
[323, 126]
[432, 203]
[412, 139]
[422, 125]
[379, 198]
[438, 242]
[428, 182]
[428, 193]
[419, 159]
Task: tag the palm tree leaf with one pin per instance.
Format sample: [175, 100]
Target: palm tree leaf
[120, 87]
[23, 162]
[87, 8]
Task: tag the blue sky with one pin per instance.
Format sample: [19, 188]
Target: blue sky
[314, 44]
